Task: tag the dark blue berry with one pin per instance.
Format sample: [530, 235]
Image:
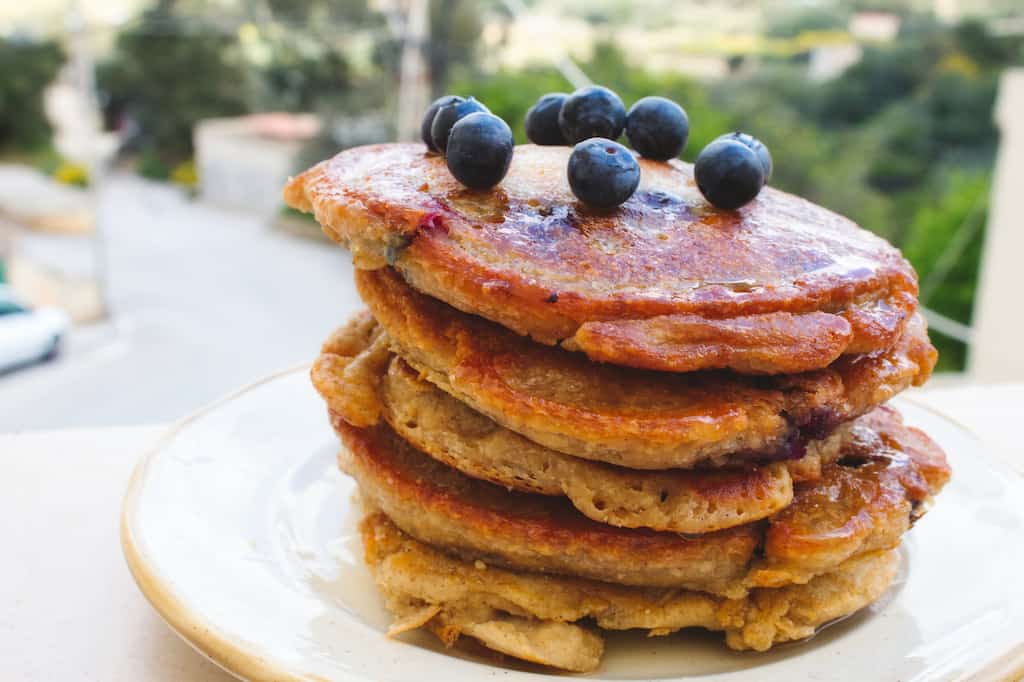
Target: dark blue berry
[446, 117]
[480, 150]
[428, 119]
[728, 173]
[542, 120]
[763, 155]
[592, 112]
[657, 128]
[603, 173]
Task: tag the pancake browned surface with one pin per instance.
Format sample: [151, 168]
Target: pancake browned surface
[361, 382]
[663, 282]
[532, 616]
[628, 417]
[863, 504]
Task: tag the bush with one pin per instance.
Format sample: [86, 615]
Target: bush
[166, 73]
[26, 68]
[957, 201]
[297, 79]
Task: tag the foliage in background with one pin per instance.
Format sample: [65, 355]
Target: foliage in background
[455, 27]
[299, 75]
[959, 207]
[26, 68]
[168, 71]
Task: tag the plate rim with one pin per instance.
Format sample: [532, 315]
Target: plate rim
[247, 665]
[198, 633]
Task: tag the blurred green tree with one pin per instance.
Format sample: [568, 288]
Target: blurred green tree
[905, 151]
[455, 27]
[167, 71]
[958, 103]
[26, 68]
[954, 218]
[788, 23]
[883, 75]
[296, 79]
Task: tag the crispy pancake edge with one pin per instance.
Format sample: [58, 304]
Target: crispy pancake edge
[532, 616]
[362, 383]
[725, 419]
[859, 507]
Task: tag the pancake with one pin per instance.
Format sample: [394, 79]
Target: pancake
[664, 282]
[884, 481]
[532, 616]
[363, 383]
[863, 503]
[628, 417]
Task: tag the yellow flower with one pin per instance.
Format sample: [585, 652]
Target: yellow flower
[185, 174]
[960, 64]
[70, 173]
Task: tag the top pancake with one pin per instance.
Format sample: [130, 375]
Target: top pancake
[664, 282]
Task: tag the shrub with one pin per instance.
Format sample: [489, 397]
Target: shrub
[167, 72]
[26, 68]
[958, 205]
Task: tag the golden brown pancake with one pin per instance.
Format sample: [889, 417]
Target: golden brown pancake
[628, 417]
[863, 503]
[664, 282]
[362, 382]
[533, 616]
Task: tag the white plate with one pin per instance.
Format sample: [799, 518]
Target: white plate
[240, 531]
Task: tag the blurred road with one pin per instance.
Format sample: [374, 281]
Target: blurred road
[203, 301]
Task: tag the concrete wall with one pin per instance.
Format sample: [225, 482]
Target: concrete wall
[244, 162]
[997, 350]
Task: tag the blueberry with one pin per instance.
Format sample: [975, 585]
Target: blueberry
[480, 150]
[657, 128]
[428, 119]
[728, 173]
[592, 112]
[447, 115]
[542, 119]
[603, 173]
[763, 155]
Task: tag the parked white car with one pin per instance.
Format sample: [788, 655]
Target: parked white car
[28, 335]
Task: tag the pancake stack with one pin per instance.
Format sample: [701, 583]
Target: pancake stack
[657, 417]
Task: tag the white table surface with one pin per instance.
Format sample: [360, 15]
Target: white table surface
[68, 607]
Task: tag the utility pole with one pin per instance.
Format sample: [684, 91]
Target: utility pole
[414, 77]
[90, 142]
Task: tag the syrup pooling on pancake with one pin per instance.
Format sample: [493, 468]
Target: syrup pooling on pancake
[527, 255]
